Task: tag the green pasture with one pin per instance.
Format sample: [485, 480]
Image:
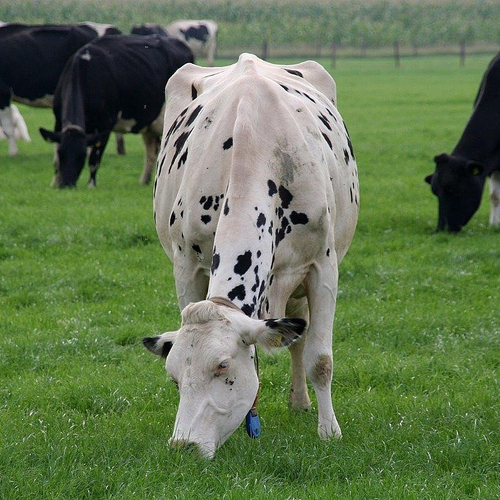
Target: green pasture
[86, 412]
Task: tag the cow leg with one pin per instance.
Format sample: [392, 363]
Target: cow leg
[120, 144]
[151, 145]
[211, 53]
[56, 180]
[20, 127]
[95, 158]
[495, 198]
[299, 397]
[8, 127]
[321, 286]
[190, 282]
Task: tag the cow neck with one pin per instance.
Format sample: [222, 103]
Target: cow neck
[222, 301]
[252, 422]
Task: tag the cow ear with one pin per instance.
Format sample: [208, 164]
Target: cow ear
[442, 158]
[428, 179]
[161, 344]
[50, 136]
[475, 168]
[276, 333]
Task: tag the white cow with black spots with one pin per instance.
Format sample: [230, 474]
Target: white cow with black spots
[199, 35]
[256, 203]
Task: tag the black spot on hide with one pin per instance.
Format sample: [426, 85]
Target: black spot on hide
[228, 144]
[330, 145]
[248, 309]
[285, 196]
[325, 121]
[272, 187]
[238, 292]
[215, 262]
[194, 114]
[346, 156]
[298, 218]
[243, 263]
[294, 72]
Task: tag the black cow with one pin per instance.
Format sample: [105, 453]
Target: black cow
[113, 83]
[32, 58]
[459, 178]
[148, 29]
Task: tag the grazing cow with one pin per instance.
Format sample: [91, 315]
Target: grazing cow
[201, 36]
[20, 128]
[256, 203]
[113, 83]
[148, 29]
[32, 58]
[459, 178]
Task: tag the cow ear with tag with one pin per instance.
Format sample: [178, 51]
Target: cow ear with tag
[161, 344]
[475, 168]
[50, 136]
[276, 333]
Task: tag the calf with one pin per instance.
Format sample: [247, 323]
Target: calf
[256, 203]
[114, 83]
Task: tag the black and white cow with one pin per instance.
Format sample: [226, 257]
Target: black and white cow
[113, 83]
[459, 178]
[256, 203]
[32, 58]
[201, 36]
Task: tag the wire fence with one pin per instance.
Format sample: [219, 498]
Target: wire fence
[397, 51]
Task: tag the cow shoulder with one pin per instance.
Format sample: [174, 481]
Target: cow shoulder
[313, 73]
[184, 87]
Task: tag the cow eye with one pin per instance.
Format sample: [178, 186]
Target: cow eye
[222, 368]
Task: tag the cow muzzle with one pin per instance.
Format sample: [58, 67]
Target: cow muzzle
[190, 446]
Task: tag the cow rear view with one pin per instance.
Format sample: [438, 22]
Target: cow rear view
[256, 203]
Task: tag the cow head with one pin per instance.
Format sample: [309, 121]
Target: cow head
[458, 183]
[71, 152]
[211, 360]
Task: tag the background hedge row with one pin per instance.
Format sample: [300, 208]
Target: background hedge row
[346, 23]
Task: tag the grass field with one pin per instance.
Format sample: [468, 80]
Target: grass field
[86, 412]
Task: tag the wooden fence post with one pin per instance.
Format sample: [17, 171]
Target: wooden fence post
[363, 48]
[462, 52]
[396, 54]
[265, 49]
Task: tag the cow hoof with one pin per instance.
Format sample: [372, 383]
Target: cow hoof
[329, 432]
[299, 403]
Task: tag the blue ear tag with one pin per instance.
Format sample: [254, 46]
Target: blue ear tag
[252, 423]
